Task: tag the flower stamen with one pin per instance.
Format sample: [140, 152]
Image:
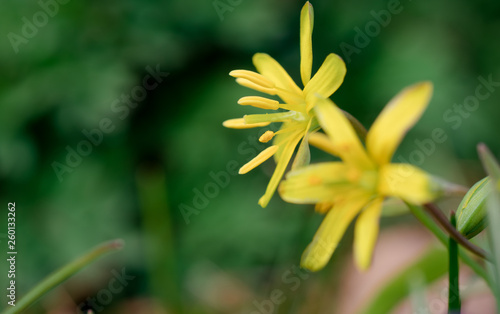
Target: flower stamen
[259, 102]
[242, 124]
[253, 77]
[257, 87]
[266, 137]
[260, 158]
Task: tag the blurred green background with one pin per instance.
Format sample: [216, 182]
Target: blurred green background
[64, 77]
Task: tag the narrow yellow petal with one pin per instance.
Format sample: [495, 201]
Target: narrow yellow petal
[328, 78]
[291, 98]
[408, 183]
[329, 234]
[259, 102]
[273, 71]
[341, 133]
[252, 85]
[306, 29]
[321, 141]
[316, 183]
[402, 112]
[366, 232]
[240, 124]
[266, 137]
[260, 158]
[286, 155]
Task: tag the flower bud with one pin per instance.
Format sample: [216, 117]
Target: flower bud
[471, 213]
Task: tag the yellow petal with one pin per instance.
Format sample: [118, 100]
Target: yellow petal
[259, 102]
[286, 155]
[316, 183]
[328, 78]
[272, 70]
[408, 183]
[402, 112]
[330, 232]
[306, 29]
[260, 158]
[341, 133]
[321, 141]
[240, 124]
[366, 232]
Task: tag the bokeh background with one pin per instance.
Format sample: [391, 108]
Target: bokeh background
[166, 149]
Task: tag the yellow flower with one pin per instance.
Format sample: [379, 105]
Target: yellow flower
[360, 182]
[298, 118]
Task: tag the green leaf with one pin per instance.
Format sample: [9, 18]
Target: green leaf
[490, 164]
[493, 169]
[418, 294]
[429, 267]
[62, 274]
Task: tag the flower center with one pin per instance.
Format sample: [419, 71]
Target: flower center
[365, 179]
[369, 180]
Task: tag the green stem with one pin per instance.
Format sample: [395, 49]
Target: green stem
[158, 230]
[62, 274]
[427, 221]
[453, 232]
[453, 292]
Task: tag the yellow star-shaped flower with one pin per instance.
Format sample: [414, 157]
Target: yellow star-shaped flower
[298, 119]
[363, 179]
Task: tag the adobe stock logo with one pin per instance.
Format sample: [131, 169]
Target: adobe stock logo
[371, 29]
[30, 27]
[121, 107]
[223, 6]
[105, 296]
[292, 279]
[250, 147]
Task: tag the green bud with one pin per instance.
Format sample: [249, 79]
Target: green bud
[471, 213]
